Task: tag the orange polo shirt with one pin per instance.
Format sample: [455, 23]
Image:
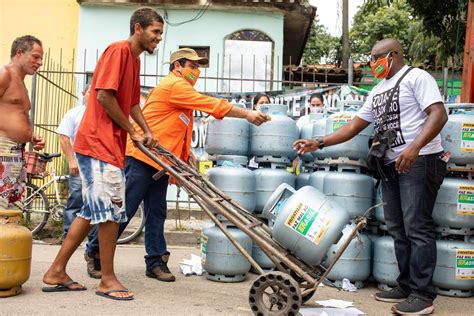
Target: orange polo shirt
[169, 110]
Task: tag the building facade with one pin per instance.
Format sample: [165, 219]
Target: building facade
[244, 40]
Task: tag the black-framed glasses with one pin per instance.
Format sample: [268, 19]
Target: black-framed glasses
[374, 58]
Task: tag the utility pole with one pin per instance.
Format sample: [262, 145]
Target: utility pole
[345, 33]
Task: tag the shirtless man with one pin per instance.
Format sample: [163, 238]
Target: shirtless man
[15, 126]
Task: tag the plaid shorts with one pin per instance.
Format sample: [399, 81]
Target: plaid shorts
[103, 191]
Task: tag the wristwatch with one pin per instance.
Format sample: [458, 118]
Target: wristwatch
[320, 142]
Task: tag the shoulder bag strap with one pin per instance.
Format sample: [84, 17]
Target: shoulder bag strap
[393, 93]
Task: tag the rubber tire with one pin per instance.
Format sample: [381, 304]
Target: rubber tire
[42, 196]
[138, 231]
[281, 281]
[300, 280]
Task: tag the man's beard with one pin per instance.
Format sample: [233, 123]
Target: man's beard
[148, 50]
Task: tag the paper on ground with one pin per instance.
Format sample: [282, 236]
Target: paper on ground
[335, 303]
[327, 311]
[191, 266]
[348, 286]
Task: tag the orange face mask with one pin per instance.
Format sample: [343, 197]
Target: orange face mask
[191, 75]
[381, 67]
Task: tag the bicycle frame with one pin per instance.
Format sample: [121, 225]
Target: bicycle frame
[54, 180]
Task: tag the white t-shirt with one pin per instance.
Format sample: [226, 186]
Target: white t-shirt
[417, 91]
[70, 122]
[302, 121]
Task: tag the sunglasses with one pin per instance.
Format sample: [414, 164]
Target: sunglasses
[374, 58]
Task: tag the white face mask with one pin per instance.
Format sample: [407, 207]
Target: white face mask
[316, 109]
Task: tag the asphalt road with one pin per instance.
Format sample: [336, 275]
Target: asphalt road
[187, 296]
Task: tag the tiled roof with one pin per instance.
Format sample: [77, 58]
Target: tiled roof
[319, 73]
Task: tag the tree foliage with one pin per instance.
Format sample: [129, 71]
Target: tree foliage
[436, 33]
[376, 21]
[373, 5]
[425, 48]
[445, 20]
[321, 46]
[430, 31]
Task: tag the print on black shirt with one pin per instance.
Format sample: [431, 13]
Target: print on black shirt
[392, 120]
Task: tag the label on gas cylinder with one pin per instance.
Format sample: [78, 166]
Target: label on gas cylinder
[467, 137]
[203, 248]
[340, 120]
[464, 264]
[466, 199]
[309, 223]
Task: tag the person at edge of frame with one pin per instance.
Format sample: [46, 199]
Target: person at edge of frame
[413, 170]
[26, 57]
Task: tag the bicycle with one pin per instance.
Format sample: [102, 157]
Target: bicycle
[36, 206]
[134, 227]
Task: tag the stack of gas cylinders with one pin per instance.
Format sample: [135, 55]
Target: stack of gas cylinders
[453, 214]
[339, 173]
[312, 215]
[228, 141]
[233, 142]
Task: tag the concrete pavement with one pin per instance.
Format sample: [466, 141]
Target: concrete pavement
[187, 296]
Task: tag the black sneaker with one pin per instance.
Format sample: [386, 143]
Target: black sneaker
[414, 305]
[395, 295]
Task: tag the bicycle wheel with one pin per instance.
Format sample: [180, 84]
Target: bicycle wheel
[35, 208]
[134, 227]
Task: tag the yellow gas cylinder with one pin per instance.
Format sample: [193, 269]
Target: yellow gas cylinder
[15, 253]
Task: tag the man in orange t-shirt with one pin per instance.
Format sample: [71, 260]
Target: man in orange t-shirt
[100, 152]
[169, 113]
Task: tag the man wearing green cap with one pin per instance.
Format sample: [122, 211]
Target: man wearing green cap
[169, 114]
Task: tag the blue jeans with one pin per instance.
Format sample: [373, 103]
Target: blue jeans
[140, 186]
[74, 203]
[410, 199]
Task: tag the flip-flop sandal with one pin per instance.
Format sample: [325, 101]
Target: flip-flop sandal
[65, 287]
[107, 295]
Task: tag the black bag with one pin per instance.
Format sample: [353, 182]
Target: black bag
[378, 146]
[380, 142]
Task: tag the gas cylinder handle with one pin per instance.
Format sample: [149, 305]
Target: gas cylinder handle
[284, 190]
[278, 109]
[330, 111]
[349, 105]
[231, 161]
[451, 107]
[313, 117]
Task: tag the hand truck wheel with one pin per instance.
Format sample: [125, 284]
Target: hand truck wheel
[302, 282]
[274, 294]
[306, 297]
